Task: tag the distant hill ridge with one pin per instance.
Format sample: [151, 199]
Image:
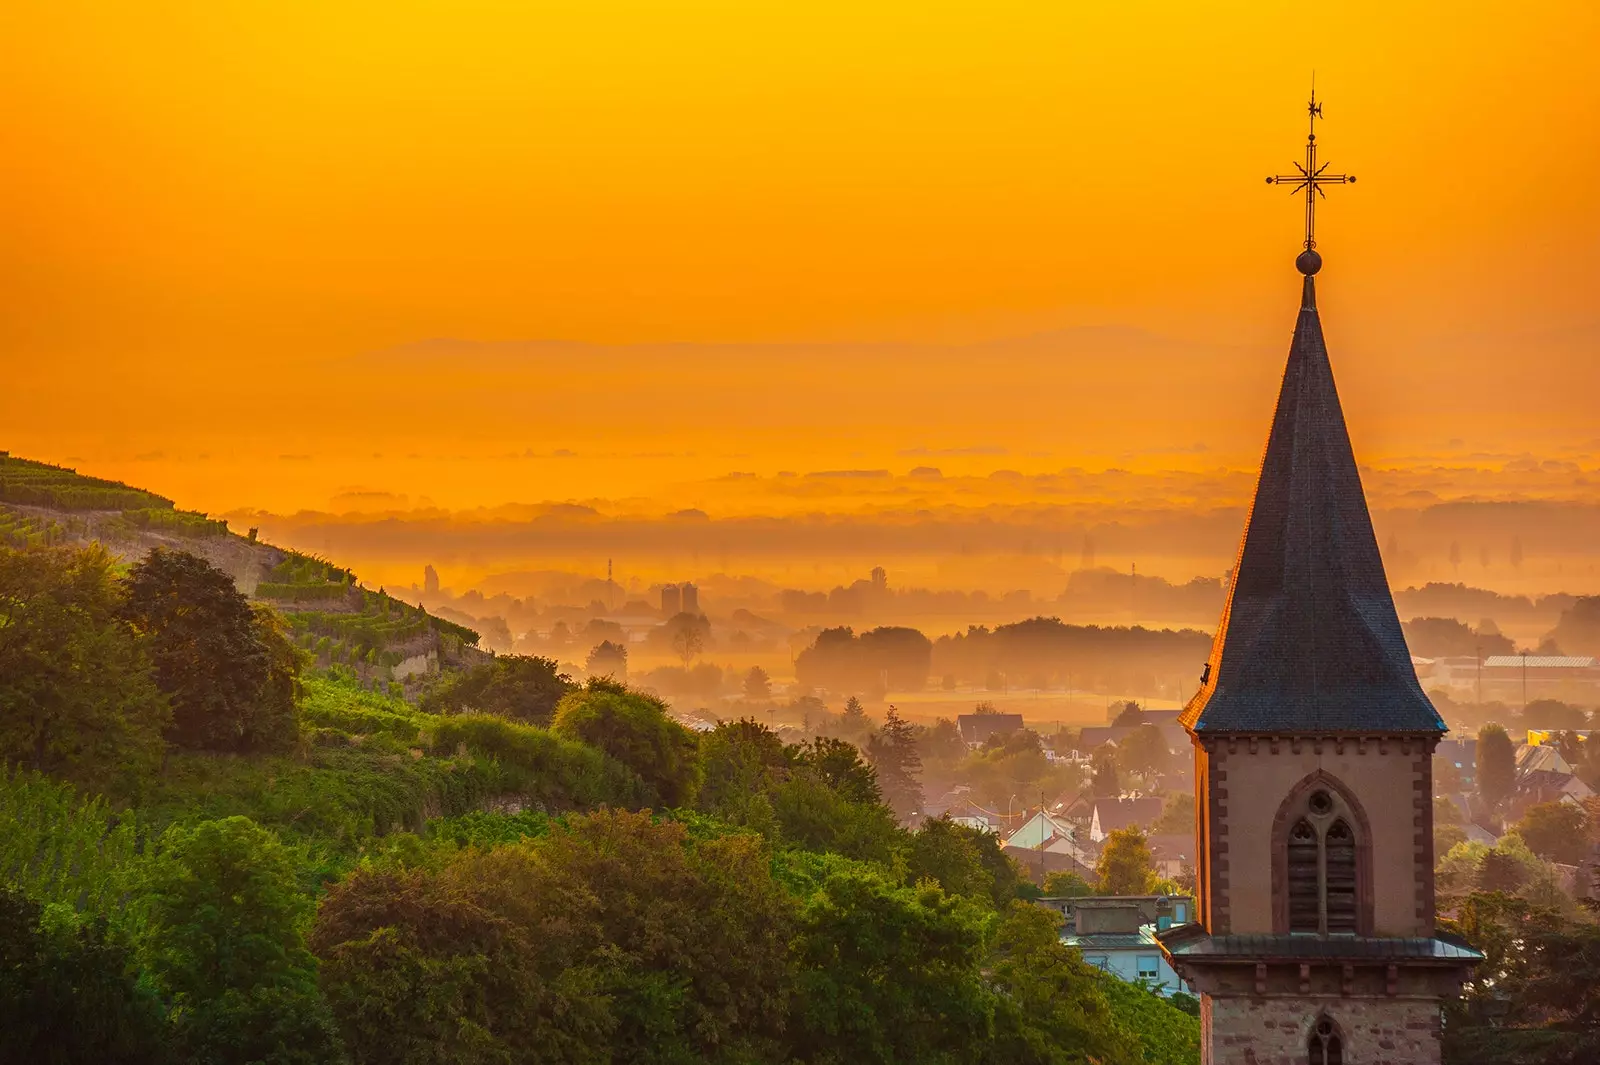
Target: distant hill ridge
[330, 614]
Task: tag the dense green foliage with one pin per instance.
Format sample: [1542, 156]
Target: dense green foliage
[58, 848]
[636, 730]
[229, 670]
[19, 529]
[394, 885]
[67, 991]
[1126, 866]
[77, 691]
[524, 687]
[1535, 999]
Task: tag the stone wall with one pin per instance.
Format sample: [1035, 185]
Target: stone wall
[1276, 1031]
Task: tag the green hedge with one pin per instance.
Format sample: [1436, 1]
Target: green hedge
[559, 773]
[301, 593]
[43, 485]
[178, 522]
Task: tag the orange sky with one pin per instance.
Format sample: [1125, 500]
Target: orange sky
[775, 237]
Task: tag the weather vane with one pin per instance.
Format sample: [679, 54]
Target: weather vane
[1310, 179]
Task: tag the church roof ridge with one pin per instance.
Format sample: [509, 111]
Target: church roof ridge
[1309, 639]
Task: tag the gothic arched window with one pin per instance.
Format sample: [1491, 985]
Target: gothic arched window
[1321, 858]
[1325, 1047]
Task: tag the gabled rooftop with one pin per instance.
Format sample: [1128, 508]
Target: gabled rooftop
[1309, 640]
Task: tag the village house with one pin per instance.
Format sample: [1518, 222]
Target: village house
[1116, 933]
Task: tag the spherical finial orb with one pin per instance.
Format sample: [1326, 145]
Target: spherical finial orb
[1308, 262]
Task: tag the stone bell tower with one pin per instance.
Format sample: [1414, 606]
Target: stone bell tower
[1313, 747]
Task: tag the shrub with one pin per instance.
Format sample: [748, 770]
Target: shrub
[635, 729]
[546, 767]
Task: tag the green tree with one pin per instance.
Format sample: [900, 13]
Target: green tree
[1104, 784]
[962, 861]
[68, 993]
[741, 763]
[608, 660]
[941, 744]
[524, 687]
[225, 944]
[1068, 885]
[1143, 752]
[1168, 1029]
[429, 968]
[264, 1025]
[838, 765]
[888, 974]
[275, 724]
[893, 753]
[615, 938]
[1125, 866]
[694, 938]
[78, 697]
[207, 646]
[1497, 765]
[1129, 715]
[225, 911]
[1501, 872]
[853, 719]
[636, 730]
[1051, 1005]
[757, 685]
[1554, 714]
[1446, 837]
[689, 636]
[1556, 832]
[1536, 996]
[816, 815]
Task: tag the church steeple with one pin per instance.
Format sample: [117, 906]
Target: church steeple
[1313, 748]
[1309, 640]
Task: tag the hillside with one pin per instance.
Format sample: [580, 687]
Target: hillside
[211, 854]
[380, 639]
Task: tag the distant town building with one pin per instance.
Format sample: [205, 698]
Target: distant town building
[1524, 678]
[1048, 844]
[1173, 854]
[1176, 737]
[1110, 815]
[691, 598]
[976, 729]
[671, 600]
[1508, 666]
[959, 806]
[1116, 933]
[1463, 754]
[1539, 737]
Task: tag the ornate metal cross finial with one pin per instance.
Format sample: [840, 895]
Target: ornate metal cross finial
[1310, 179]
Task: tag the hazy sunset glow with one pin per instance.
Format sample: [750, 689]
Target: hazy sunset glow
[369, 257]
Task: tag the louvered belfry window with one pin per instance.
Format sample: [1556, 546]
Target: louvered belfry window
[1339, 846]
[1305, 889]
[1322, 869]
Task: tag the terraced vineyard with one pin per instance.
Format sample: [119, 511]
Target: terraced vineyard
[381, 641]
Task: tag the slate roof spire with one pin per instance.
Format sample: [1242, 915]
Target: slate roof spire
[1309, 640]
